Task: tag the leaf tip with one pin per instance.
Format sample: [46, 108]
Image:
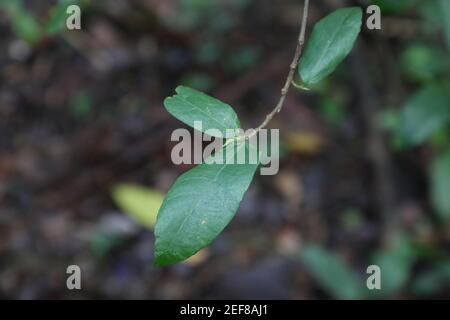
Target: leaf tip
[159, 263]
[183, 89]
[163, 258]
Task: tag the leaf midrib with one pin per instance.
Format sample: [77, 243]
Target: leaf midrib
[170, 242]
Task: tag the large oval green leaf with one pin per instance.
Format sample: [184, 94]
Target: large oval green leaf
[331, 41]
[331, 272]
[396, 262]
[425, 113]
[199, 206]
[190, 105]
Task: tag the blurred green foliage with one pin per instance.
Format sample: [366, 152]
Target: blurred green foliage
[208, 14]
[422, 120]
[81, 105]
[28, 28]
[444, 6]
[423, 63]
[425, 120]
[23, 22]
[331, 272]
[341, 281]
[210, 21]
[395, 262]
[57, 17]
[440, 185]
[425, 117]
[425, 113]
[394, 6]
[432, 281]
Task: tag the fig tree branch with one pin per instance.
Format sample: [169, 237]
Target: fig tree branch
[293, 67]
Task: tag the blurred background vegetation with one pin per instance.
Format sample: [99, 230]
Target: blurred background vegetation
[85, 150]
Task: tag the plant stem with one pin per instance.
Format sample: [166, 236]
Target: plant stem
[293, 67]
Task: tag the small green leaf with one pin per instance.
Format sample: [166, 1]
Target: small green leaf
[190, 105]
[331, 41]
[395, 263]
[200, 205]
[424, 114]
[394, 6]
[141, 204]
[23, 23]
[440, 185]
[57, 18]
[332, 273]
[424, 62]
[332, 109]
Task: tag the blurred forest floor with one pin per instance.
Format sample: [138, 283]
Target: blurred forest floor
[81, 112]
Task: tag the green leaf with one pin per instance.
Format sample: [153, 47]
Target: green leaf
[424, 62]
[394, 6]
[58, 16]
[331, 41]
[141, 204]
[332, 109]
[332, 273]
[424, 114]
[445, 11]
[440, 185]
[431, 17]
[200, 205]
[395, 263]
[190, 105]
[23, 23]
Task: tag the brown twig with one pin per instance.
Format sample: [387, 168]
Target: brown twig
[293, 67]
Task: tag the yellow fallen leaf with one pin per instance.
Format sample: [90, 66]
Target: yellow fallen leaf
[140, 203]
[303, 142]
